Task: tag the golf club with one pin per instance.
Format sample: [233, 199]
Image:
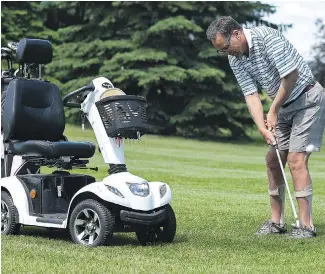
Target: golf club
[287, 185]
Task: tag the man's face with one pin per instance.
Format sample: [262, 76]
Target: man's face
[232, 45]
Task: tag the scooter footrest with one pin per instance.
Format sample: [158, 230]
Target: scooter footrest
[56, 218]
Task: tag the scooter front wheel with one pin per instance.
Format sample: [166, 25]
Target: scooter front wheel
[91, 224]
[165, 232]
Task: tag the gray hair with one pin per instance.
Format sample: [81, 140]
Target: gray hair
[225, 25]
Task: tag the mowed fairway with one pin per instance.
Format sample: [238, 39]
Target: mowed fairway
[220, 199]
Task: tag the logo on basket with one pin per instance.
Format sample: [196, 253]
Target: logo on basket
[106, 85]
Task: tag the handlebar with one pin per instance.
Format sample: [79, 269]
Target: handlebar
[66, 98]
[13, 45]
[9, 50]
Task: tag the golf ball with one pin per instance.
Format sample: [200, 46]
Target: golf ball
[310, 148]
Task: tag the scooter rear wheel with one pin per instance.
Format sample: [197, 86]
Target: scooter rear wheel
[8, 215]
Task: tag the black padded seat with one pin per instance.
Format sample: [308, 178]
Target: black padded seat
[53, 149]
[34, 122]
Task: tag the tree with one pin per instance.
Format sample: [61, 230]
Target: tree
[23, 19]
[158, 50]
[318, 64]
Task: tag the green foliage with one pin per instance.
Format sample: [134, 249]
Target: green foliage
[173, 24]
[155, 49]
[318, 63]
[23, 19]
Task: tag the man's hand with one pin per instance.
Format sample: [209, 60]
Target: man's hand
[256, 109]
[272, 120]
[268, 136]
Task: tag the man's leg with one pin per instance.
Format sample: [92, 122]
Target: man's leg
[276, 185]
[298, 164]
[308, 129]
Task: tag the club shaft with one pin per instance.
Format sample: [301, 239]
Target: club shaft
[287, 185]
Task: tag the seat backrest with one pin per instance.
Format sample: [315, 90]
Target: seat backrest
[33, 110]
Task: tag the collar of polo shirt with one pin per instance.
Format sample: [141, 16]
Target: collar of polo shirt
[249, 40]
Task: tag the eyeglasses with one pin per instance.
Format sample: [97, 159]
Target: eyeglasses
[226, 47]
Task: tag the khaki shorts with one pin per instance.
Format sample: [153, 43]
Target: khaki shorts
[302, 123]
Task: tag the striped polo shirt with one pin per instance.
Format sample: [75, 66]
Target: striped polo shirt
[271, 57]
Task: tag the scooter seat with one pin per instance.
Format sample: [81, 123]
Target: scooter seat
[53, 149]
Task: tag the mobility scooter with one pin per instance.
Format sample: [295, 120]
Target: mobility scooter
[33, 127]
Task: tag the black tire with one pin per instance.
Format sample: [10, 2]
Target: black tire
[165, 232]
[104, 229]
[8, 225]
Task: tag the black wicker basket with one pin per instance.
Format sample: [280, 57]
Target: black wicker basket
[124, 116]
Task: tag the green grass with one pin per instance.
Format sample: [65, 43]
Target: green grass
[220, 199]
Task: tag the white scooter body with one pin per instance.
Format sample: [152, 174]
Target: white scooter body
[152, 201]
[113, 153]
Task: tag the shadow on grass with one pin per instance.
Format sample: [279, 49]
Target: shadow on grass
[119, 239]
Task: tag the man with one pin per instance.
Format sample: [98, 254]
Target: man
[295, 119]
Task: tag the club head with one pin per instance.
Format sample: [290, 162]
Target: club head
[296, 225]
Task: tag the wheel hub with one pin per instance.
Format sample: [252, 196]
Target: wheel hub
[91, 226]
[87, 226]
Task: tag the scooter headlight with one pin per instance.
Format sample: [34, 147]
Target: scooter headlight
[115, 191]
[141, 189]
[163, 190]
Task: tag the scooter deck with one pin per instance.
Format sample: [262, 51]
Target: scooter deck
[55, 218]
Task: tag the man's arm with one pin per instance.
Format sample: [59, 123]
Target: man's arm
[255, 108]
[252, 98]
[287, 84]
[281, 51]
[250, 92]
